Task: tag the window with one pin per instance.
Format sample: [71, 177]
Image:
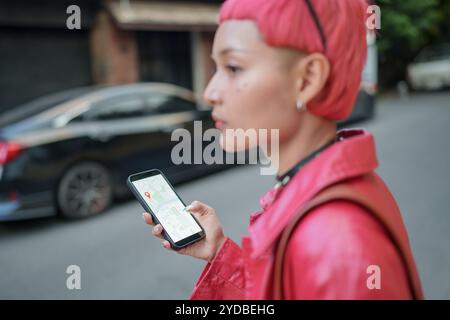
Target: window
[123, 107]
[160, 103]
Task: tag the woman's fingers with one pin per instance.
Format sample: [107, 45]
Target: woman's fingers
[199, 208]
[147, 218]
[157, 231]
[167, 246]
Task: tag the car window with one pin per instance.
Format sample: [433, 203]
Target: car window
[41, 104]
[434, 53]
[157, 103]
[442, 51]
[129, 106]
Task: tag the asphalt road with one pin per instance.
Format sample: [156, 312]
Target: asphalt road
[119, 259]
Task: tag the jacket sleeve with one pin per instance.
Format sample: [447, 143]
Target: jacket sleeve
[223, 277]
[340, 251]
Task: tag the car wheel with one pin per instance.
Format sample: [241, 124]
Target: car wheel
[84, 190]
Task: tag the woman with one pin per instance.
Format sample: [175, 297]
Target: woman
[295, 66]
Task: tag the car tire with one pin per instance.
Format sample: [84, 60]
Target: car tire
[84, 190]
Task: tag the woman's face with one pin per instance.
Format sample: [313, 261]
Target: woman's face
[253, 86]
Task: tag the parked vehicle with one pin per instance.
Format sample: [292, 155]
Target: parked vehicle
[431, 68]
[71, 152]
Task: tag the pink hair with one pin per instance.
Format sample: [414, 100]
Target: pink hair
[288, 23]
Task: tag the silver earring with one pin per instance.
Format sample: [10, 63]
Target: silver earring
[299, 104]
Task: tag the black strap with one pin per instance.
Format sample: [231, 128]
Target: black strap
[316, 19]
[284, 179]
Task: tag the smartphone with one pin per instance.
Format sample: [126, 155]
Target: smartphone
[157, 196]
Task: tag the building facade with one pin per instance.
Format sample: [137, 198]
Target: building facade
[119, 42]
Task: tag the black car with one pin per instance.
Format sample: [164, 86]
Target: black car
[72, 152]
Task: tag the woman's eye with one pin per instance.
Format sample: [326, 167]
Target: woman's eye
[233, 69]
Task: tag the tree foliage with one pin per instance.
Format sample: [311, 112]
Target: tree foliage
[406, 27]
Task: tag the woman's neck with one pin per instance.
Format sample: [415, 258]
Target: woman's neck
[312, 133]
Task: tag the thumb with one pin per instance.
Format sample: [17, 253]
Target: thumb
[199, 208]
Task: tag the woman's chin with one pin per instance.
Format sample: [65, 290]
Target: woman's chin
[232, 143]
[226, 144]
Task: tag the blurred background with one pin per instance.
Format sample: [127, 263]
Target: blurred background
[82, 108]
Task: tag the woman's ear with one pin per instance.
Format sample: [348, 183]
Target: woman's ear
[312, 74]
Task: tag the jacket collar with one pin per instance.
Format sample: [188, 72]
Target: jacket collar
[351, 157]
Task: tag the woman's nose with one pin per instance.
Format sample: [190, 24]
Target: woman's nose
[211, 95]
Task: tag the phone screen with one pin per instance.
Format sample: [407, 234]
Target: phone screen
[167, 207]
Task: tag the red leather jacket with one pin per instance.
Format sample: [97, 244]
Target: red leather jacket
[330, 250]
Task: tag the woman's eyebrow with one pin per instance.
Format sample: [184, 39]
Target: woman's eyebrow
[227, 50]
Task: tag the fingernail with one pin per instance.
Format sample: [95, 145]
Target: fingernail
[157, 228]
[189, 207]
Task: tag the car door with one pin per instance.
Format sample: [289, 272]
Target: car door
[116, 131]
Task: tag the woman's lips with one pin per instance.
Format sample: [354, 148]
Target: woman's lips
[219, 124]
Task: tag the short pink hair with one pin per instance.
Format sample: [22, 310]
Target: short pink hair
[288, 23]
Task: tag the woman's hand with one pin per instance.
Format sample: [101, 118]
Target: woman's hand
[206, 248]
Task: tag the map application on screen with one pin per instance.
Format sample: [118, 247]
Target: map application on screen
[167, 207]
